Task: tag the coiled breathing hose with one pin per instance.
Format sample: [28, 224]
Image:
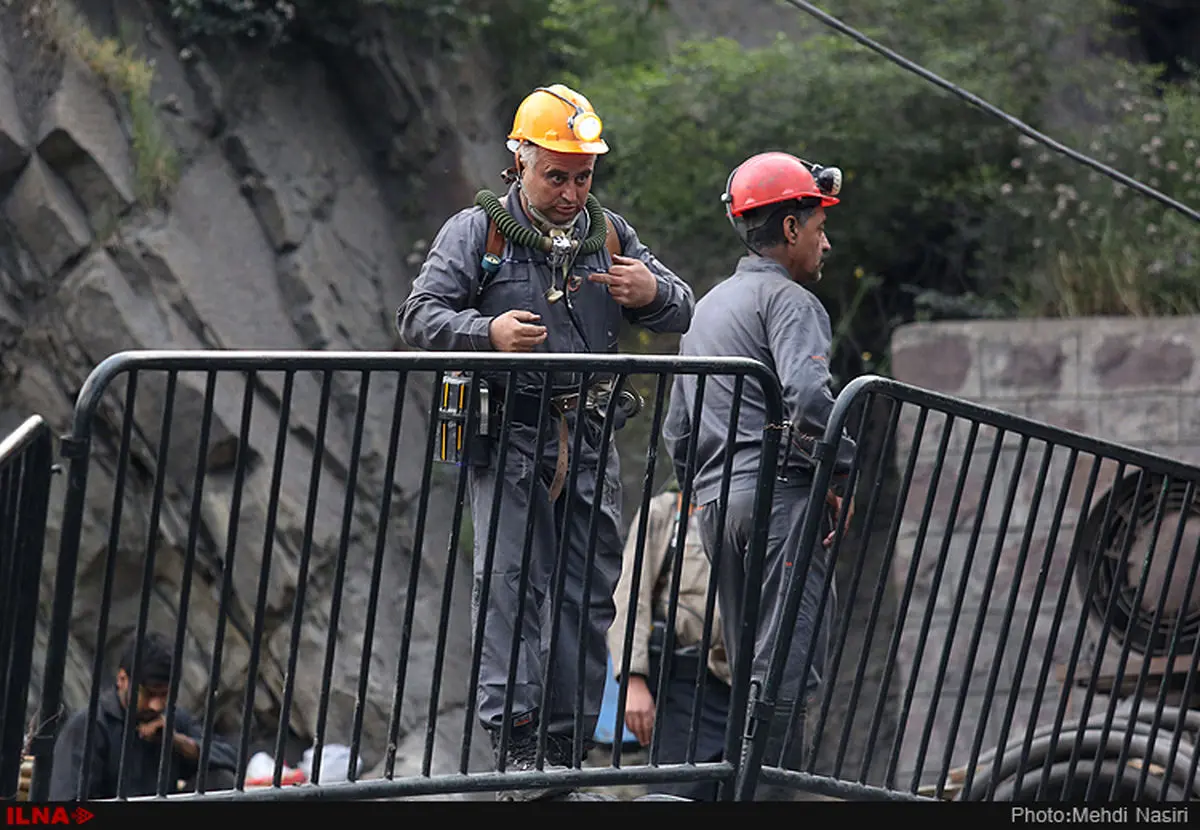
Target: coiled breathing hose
[518, 234]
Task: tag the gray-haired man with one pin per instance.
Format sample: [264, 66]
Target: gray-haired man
[480, 292]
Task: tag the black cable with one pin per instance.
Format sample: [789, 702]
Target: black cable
[975, 100]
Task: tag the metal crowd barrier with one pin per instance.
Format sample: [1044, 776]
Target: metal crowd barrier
[244, 482]
[26, 467]
[1018, 622]
[1013, 620]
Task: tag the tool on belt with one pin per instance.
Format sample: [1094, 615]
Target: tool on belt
[453, 436]
[452, 419]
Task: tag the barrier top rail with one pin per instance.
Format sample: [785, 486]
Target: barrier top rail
[998, 418]
[21, 437]
[259, 360]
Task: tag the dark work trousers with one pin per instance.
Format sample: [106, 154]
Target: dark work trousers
[673, 714]
[550, 523]
[781, 559]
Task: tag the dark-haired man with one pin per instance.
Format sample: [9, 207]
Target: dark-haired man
[149, 694]
[776, 203]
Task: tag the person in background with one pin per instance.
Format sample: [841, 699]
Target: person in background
[672, 708]
[149, 695]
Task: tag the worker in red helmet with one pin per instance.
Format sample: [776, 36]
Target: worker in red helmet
[777, 204]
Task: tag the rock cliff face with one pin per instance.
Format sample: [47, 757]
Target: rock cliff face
[303, 184]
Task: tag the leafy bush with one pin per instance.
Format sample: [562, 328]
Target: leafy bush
[937, 219]
[1099, 247]
[910, 196]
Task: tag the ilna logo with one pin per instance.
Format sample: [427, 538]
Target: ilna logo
[46, 815]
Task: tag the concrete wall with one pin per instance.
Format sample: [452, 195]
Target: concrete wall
[1133, 381]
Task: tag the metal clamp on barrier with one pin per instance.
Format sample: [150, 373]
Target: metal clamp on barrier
[786, 429]
[71, 447]
[808, 447]
[600, 396]
[757, 711]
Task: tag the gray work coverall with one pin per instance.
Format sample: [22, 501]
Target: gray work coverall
[760, 313]
[446, 311]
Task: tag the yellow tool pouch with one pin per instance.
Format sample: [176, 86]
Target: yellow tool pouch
[454, 432]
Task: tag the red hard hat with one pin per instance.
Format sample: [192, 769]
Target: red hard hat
[769, 178]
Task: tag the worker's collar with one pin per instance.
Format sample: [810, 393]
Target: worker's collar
[755, 264]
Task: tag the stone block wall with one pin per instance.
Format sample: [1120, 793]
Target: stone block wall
[1131, 381]
[1135, 381]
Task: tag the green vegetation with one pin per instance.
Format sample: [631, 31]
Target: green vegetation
[947, 211]
[1100, 247]
[274, 22]
[156, 165]
[129, 78]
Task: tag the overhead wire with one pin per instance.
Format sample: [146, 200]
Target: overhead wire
[980, 103]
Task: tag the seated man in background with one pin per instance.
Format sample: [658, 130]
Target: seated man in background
[142, 760]
[673, 707]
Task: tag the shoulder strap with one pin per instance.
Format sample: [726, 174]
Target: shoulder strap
[495, 240]
[494, 246]
[612, 240]
[662, 569]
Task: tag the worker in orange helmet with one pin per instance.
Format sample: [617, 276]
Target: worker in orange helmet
[544, 269]
[777, 205]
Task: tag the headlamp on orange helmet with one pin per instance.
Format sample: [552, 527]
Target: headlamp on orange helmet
[546, 123]
[584, 124]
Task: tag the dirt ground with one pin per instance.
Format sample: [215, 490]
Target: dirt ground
[601, 756]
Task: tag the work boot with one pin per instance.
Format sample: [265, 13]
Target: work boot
[560, 749]
[522, 757]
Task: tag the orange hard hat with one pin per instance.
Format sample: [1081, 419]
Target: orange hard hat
[770, 178]
[560, 119]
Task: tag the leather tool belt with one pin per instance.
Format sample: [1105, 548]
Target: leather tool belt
[526, 410]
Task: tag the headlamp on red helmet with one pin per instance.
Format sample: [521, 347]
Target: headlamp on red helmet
[829, 179]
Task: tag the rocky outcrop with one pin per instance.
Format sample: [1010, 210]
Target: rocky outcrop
[303, 185]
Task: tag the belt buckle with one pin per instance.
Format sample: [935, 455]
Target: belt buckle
[564, 402]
